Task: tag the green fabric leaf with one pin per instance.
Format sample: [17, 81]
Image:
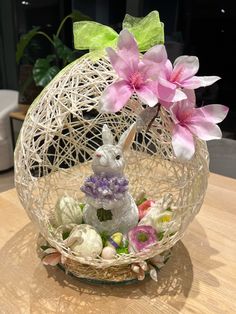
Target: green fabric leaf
[23, 42]
[43, 72]
[148, 31]
[93, 36]
[63, 52]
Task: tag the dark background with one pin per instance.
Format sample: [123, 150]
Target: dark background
[205, 28]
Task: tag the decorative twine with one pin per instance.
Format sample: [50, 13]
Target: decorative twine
[61, 132]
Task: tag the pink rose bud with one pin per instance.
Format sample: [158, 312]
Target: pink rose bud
[145, 207]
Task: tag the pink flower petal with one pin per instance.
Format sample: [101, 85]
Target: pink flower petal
[122, 68]
[128, 49]
[165, 90]
[115, 96]
[147, 94]
[184, 68]
[190, 96]
[166, 104]
[52, 259]
[180, 111]
[214, 113]
[179, 95]
[156, 54]
[183, 143]
[191, 83]
[166, 71]
[208, 80]
[205, 130]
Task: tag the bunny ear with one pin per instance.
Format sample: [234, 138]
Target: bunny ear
[107, 136]
[127, 137]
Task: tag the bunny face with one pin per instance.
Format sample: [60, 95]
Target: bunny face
[108, 159]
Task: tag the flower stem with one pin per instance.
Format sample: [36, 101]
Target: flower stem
[158, 106]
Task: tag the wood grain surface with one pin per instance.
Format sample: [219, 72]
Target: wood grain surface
[200, 277]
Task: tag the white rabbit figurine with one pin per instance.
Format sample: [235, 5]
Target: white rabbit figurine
[109, 206]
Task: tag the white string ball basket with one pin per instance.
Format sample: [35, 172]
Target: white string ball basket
[53, 157]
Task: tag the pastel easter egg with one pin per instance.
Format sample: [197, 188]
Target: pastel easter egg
[115, 240]
[85, 241]
[108, 252]
[68, 211]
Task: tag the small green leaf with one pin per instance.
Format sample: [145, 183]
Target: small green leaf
[43, 72]
[23, 42]
[160, 235]
[122, 250]
[141, 200]
[104, 235]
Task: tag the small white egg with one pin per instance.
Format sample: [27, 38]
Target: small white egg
[108, 252]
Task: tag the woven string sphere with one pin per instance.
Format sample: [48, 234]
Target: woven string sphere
[59, 136]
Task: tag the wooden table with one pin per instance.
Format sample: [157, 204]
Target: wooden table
[200, 277]
[19, 116]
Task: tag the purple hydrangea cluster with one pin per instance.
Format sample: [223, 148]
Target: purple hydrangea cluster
[105, 187]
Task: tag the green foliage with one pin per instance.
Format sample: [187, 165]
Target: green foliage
[160, 235]
[105, 236]
[23, 43]
[141, 200]
[45, 69]
[62, 51]
[123, 248]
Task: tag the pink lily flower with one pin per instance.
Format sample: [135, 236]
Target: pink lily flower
[182, 75]
[190, 121]
[135, 75]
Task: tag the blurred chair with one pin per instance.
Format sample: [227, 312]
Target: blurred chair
[223, 157]
[8, 103]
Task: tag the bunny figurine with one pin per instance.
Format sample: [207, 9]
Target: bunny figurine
[109, 206]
